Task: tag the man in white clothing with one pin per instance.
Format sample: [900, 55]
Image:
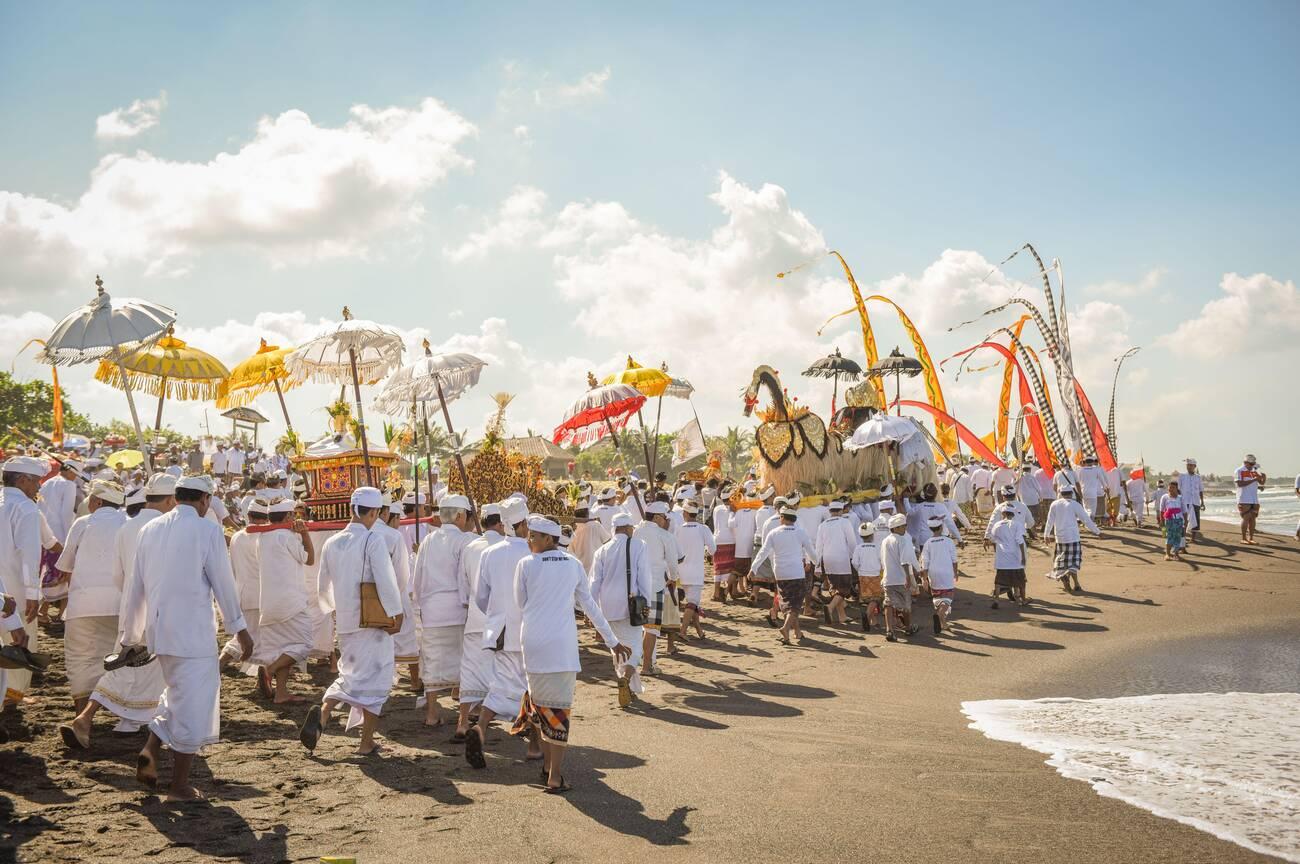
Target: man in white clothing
[94, 597]
[1136, 489]
[605, 509]
[620, 571]
[898, 568]
[248, 580]
[1029, 492]
[406, 641]
[743, 527]
[220, 460]
[696, 543]
[20, 561]
[129, 692]
[181, 565]
[1191, 485]
[60, 497]
[789, 547]
[475, 660]
[495, 598]
[665, 558]
[1092, 488]
[836, 538]
[348, 559]
[1063, 519]
[939, 570]
[588, 536]
[724, 557]
[547, 585]
[285, 626]
[441, 593]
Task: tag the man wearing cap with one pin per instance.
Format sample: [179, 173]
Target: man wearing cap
[836, 540]
[94, 596]
[898, 565]
[866, 566]
[60, 497]
[605, 509]
[922, 509]
[181, 565]
[1249, 480]
[129, 692]
[20, 561]
[1007, 536]
[789, 548]
[621, 569]
[248, 581]
[285, 624]
[415, 507]
[939, 570]
[724, 556]
[495, 598]
[665, 558]
[406, 641]
[475, 660]
[1191, 485]
[695, 542]
[442, 595]
[366, 665]
[742, 522]
[1063, 519]
[547, 585]
[1024, 518]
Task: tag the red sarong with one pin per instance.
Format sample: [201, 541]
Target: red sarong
[551, 723]
[724, 559]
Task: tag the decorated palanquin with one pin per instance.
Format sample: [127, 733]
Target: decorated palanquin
[333, 467]
[495, 473]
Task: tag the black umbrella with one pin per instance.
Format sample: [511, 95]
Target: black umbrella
[834, 366]
[898, 366]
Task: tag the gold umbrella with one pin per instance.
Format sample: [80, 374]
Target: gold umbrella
[652, 382]
[168, 368]
[262, 372]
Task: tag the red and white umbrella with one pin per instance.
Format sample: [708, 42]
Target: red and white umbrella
[599, 412]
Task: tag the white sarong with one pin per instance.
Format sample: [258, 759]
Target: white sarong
[292, 637]
[85, 642]
[475, 670]
[131, 692]
[189, 709]
[552, 689]
[631, 637]
[506, 691]
[234, 651]
[406, 643]
[366, 668]
[440, 651]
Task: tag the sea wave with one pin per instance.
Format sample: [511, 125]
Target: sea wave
[1225, 763]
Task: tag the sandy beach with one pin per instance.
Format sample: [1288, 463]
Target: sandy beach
[743, 750]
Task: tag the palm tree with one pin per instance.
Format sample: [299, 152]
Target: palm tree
[736, 447]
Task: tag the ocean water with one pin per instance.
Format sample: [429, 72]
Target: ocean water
[1225, 763]
[1279, 510]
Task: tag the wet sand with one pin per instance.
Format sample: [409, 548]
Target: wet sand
[743, 750]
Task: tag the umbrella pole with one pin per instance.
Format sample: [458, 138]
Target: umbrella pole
[162, 394]
[645, 446]
[658, 413]
[415, 466]
[636, 496]
[283, 408]
[898, 394]
[135, 417]
[361, 417]
[428, 459]
[835, 391]
[460, 463]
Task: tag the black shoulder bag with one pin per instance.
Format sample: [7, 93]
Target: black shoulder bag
[638, 608]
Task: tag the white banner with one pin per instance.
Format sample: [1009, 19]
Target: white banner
[688, 443]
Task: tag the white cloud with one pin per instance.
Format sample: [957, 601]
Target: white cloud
[1256, 314]
[1149, 281]
[521, 222]
[128, 122]
[587, 88]
[522, 134]
[296, 192]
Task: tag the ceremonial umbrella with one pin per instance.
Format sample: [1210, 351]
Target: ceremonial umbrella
[168, 368]
[600, 411]
[834, 366]
[880, 428]
[351, 350]
[679, 388]
[443, 377]
[254, 376]
[653, 383]
[107, 329]
[124, 459]
[898, 366]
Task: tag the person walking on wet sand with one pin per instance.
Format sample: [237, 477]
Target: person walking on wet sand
[1007, 536]
[1063, 519]
[1249, 480]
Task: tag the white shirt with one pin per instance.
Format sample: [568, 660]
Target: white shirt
[866, 558]
[235, 461]
[1003, 477]
[282, 588]
[1029, 490]
[722, 526]
[1046, 484]
[440, 588]
[546, 588]
[609, 576]
[181, 565]
[981, 478]
[939, 561]
[495, 595]
[761, 517]
[606, 513]
[1172, 502]
[587, 538]
[1248, 494]
[919, 515]
[350, 557]
[1113, 482]
[1093, 480]
[743, 526]
[1137, 492]
[88, 555]
[1008, 538]
[896, 550]
[1023, 517]
[1063, 519]
[665, 554]
[835, 542]
[124, 546]
[693, 540]
[395, 543]
[219, 461]
[1191, 487]
[811, 518]
[788, 546]
[469, 559]
[961, 488]
[20, 550]
[59, 504]
[217, 512]
[243, 561]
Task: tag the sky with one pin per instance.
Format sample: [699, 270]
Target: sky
[555, 189]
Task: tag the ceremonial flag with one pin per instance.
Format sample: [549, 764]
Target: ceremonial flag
[688, 442]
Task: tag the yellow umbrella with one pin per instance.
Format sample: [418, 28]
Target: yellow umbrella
[262, 372]
[166, 368]
[124, 459]
[651, 382]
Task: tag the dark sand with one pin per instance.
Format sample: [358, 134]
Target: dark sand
[847, 748]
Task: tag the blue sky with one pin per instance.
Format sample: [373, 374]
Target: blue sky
[1151, 149]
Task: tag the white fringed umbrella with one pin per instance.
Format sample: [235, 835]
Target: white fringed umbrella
[880, 428]
[352, 351]
[107, 329]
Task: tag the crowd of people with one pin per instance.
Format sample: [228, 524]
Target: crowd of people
[475, 607]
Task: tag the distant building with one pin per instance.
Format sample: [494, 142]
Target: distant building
[555, 459]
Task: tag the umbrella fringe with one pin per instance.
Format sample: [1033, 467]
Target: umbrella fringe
[197, 389]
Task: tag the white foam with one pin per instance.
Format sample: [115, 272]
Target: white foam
[1226, 763]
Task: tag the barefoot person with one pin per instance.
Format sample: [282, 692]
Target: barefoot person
[695, 542]
[789, 548]
[475, 660]
[939, 570]
[406, 642]
[899, 565]
[181, 566]
[1249, 480]
[1008, 540]
[1063, 519]
[547, 585]
[835, 542]
[248, 579]
[665, 556]
[285, 629]
[620, 571]
[866, 566]
[1191, 488]
[442, 596]
[1172, 514]
[20, 561]
[351, 557]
